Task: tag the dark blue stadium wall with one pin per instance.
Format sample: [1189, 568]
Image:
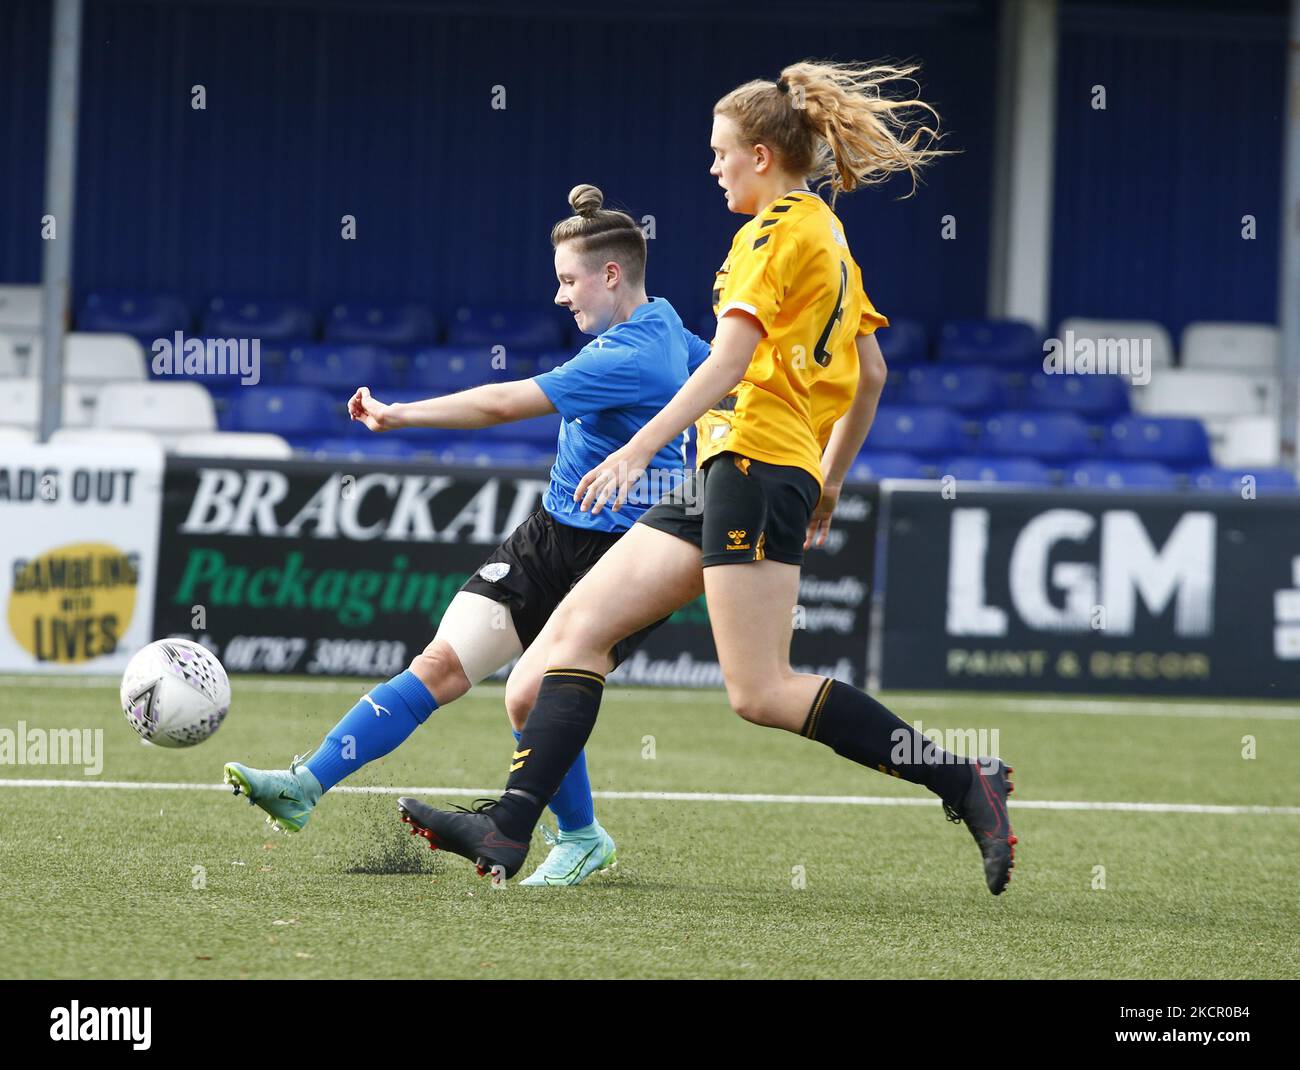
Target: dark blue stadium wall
[383, 111]
[1150, 193]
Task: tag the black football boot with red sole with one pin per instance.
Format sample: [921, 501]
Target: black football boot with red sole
[984, 810]
[471, 834]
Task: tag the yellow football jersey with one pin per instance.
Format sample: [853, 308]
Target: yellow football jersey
[790, 268]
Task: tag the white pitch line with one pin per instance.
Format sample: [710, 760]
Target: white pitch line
[1152, 707]
[694, 796]
[1107, 707]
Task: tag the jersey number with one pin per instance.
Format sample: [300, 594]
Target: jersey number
[821, 354]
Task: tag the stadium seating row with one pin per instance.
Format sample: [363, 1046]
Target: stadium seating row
[302, 416]
[393, 323]
[1050, 437]
[1252, 348]
[1090, 475]
[971, 389]
[459, 451]
[985, 400]
[305, 415]
[435, 369]
[871, 465]
[412, 324]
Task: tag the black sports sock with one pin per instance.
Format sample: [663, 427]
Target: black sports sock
[855, 726]
[553, 737]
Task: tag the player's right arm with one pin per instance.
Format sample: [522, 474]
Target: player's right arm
[481, 406]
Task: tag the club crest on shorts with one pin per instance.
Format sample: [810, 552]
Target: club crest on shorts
[495, 570]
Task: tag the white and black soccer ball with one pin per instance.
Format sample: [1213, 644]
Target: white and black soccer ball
[175, 693]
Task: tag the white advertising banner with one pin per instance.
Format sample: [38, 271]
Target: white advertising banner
[79, 549]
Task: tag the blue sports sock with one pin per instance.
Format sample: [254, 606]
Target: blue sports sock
[373, 727]
[572, 804]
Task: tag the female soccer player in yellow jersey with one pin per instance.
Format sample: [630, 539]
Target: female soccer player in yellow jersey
[783, 404]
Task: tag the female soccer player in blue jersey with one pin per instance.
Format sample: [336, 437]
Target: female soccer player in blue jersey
[783, 404]
[640, 357]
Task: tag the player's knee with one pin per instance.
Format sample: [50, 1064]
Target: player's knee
[576, 631]
[521, 697]
[439, 669]
[754, 703]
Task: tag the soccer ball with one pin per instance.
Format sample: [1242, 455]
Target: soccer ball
[175, 693]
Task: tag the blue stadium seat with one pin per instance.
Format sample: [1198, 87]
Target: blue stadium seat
[509, 326]
[872, 467]
[1230, 479]
[294, 412]
[145, 316]
[924, 431]
[1115, 475]
[552, 358]
[539, 431]
[376, 447]
[519, 366]
[990, 342]
[895, 389]
[339, 367]
[444, 369]
[964, 387]
[486, 454]
[1043, 436]
[275, 354]
[270, 319]
[386, 323]
[224, 396]
[997, 470]
[904, 342]
[1176, 441]
[1091, 396]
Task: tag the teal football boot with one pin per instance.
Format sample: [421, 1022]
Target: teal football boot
[287, 795]
[574, 857]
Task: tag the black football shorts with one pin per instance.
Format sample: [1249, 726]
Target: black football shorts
[537, 565]
[739, 509]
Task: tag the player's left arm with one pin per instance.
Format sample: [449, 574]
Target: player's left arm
[733, 348]
[848, 434]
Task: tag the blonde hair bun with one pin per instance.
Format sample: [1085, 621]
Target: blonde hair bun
[586, 200]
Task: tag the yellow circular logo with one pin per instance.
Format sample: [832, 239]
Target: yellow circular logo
[74, 603]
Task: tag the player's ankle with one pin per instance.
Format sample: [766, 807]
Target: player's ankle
[516, 814]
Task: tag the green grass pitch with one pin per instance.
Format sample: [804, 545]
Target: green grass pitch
[189, 882]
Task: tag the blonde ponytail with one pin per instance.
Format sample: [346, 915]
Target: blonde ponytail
[834, 121]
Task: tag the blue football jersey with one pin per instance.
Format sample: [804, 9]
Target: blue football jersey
[605, 394]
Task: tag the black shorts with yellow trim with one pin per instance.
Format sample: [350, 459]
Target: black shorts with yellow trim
[736, 509]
